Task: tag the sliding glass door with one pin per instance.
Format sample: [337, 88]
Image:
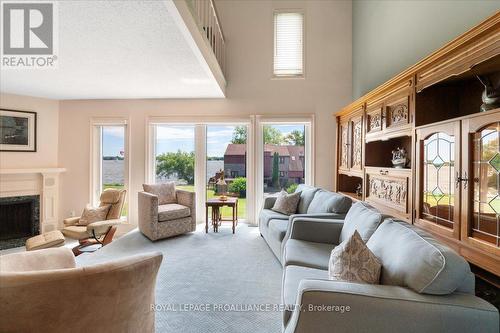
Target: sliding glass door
[226, 157]
[174, 158]
[207, 158]
[284, 155]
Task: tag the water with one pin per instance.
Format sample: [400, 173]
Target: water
[113, 170]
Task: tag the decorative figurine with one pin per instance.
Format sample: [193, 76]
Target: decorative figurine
[399, 158]
[359, 190]
[491, 93]
[221, 186]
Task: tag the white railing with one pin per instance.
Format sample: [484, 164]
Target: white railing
[206, 15]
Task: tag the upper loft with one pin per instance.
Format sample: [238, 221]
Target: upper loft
[165, 49]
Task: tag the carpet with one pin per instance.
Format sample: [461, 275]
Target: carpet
[232, 281]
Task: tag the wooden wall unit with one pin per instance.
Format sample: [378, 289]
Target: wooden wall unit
[451, 186]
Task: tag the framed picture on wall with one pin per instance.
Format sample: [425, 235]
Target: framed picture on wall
[17, 130]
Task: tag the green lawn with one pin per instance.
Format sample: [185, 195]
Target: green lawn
[226, 211]
[444, 199]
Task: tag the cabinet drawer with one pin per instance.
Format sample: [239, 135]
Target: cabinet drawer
[388, 187]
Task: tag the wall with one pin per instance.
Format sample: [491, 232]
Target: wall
[248, 30]
[389, 36]
[46, 155]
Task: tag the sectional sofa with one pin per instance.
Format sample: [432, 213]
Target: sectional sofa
[424, 285]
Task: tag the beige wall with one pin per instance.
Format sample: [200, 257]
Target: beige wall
[248, 28]
[47, 139]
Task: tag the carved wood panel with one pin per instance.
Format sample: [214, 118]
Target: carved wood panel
[357, 143]
[344, 146]
[391, 192]
[374, 120]
[398, 113]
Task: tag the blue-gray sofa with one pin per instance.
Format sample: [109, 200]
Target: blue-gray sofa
[424, 285]
[314, 203]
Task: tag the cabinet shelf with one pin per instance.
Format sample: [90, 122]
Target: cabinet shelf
[351, 195]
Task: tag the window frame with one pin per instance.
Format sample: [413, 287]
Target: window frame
[201, 155]
[95, 179]
[276, 12]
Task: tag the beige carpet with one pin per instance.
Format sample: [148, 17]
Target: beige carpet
[209, 282]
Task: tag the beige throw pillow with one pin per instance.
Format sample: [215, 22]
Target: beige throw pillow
[91, 215]
[287, 203]
[165, 192]
[353, 261]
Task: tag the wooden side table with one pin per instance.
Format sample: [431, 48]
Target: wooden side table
[216, 204]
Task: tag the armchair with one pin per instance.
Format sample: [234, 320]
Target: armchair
[100, 232]
[158, 221]
[44, 291]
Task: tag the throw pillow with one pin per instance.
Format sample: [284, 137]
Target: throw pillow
[353, 261]
[165, 192]
[286, 203]
[91, 215]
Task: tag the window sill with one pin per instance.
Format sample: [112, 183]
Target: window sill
[287, 77]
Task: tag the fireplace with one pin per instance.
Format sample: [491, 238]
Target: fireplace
[19, 220]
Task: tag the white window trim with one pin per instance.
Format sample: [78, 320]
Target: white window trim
[310, 154]
[200, 155]
[304, 45]
[95, 154]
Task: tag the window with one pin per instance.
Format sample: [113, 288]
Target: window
[109, 159]
[197, 156]
[226, 150]
[283, 144]
[288, 44]
[175, 155]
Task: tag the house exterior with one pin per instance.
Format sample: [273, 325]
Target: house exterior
[290, 162]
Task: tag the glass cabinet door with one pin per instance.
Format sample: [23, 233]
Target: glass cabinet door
[482, 226]
[438, 190]
[344, 145]
[357, 143]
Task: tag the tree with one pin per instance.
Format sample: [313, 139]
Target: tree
[239, 135]
[296, 138]
[179, 164]
[273, 136]
[276, 171]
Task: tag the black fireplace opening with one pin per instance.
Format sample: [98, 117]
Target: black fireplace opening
[19, 220]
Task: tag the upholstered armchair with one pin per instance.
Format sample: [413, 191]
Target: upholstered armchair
[100, 232]
[44, 291]
[162, 218]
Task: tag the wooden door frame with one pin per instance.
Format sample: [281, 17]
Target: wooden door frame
[469, 126]
[451, 128]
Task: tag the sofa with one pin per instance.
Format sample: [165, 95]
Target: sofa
[159, 221]
[314, 203]
[45, 291]
[424, 285]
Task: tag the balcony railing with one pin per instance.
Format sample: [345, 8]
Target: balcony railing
[208, 21]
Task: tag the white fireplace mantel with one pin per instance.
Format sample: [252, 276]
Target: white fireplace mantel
[28, 171]
[35, 181]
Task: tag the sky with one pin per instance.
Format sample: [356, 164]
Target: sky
[174, 137]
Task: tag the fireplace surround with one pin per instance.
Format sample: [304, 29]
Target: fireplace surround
[19, 220]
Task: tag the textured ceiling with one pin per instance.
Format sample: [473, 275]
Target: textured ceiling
[118, 49]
